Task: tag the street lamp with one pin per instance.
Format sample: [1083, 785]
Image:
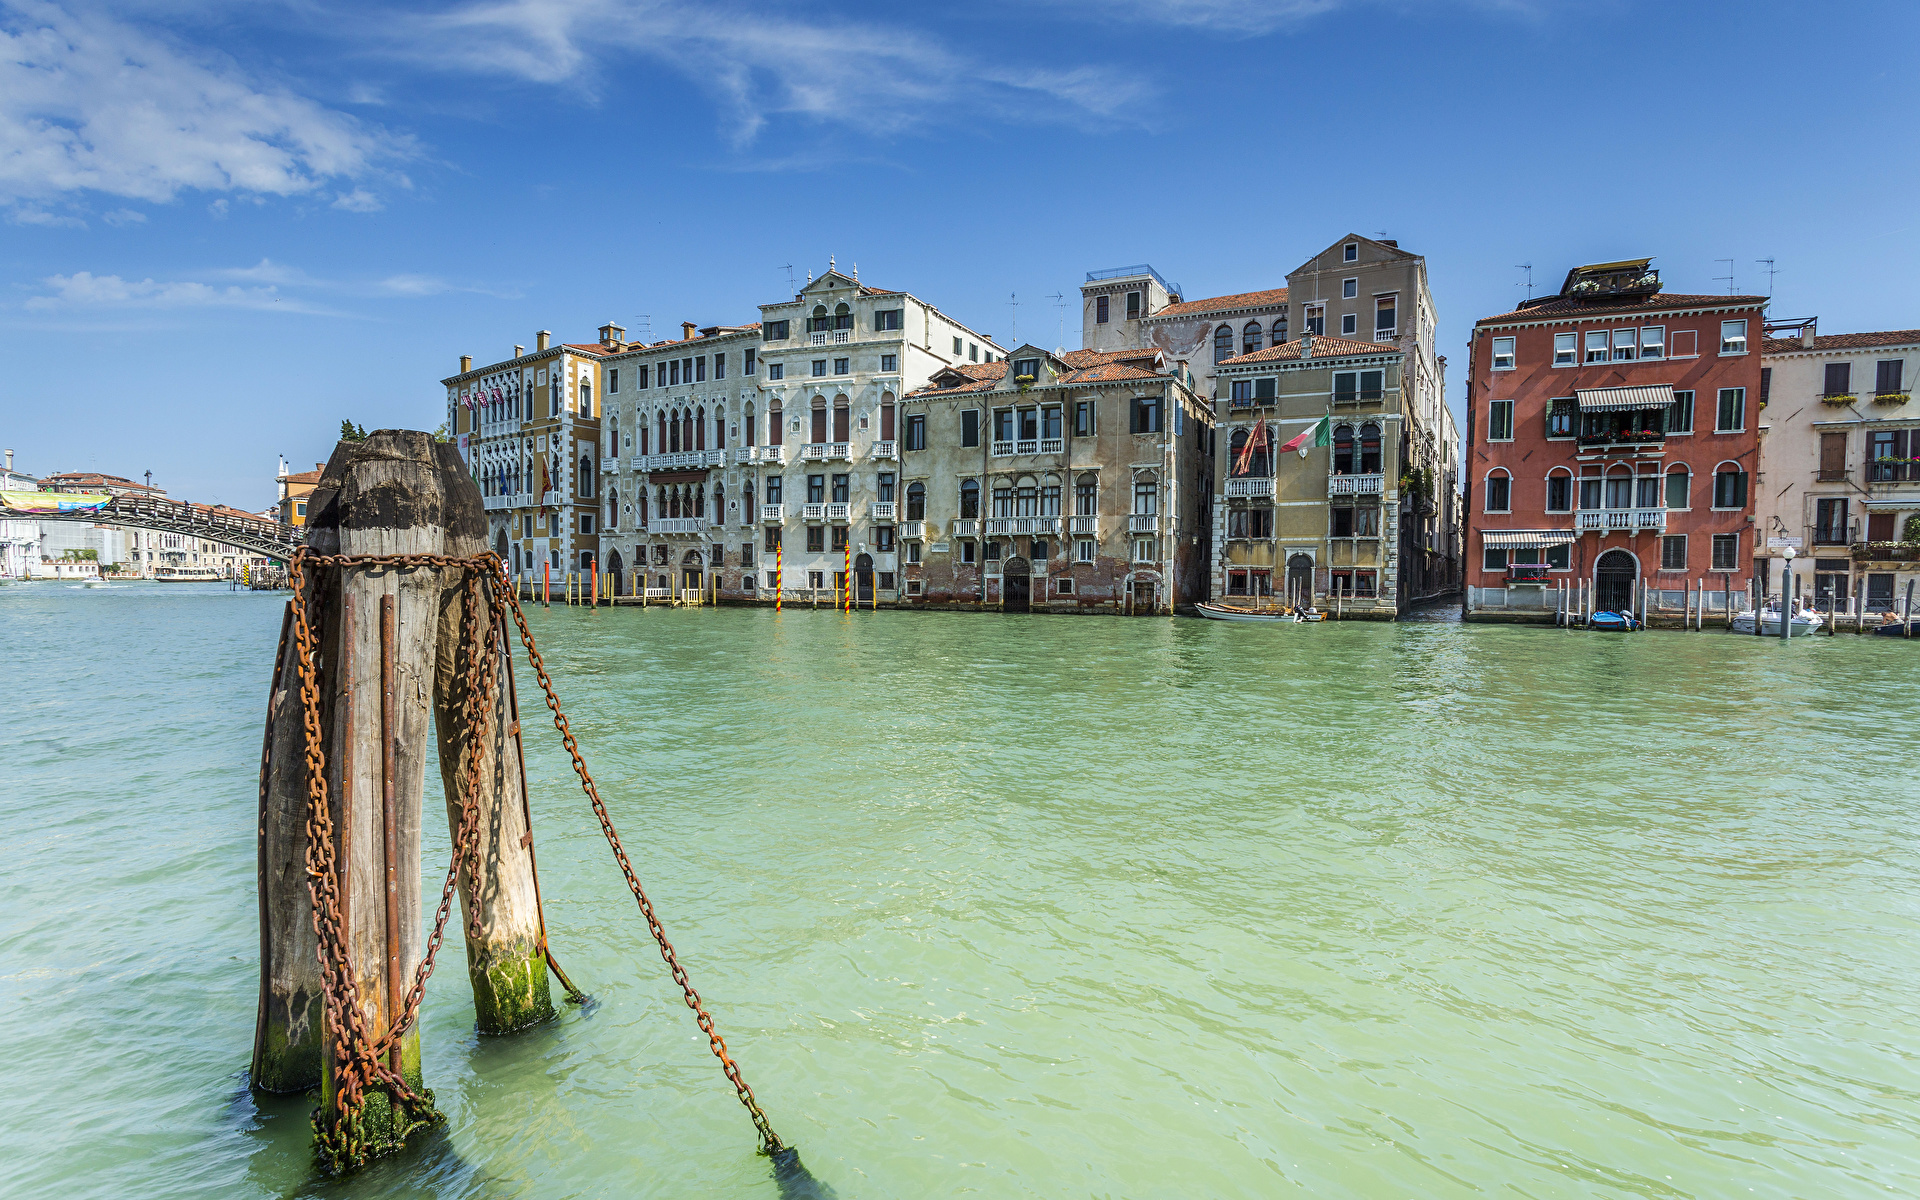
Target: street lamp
[1786, 598]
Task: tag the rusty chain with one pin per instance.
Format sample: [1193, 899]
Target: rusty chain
[360, 1060]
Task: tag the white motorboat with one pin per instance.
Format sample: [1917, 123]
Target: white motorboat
[1216, 611]
[1805, 620]
[185, 575]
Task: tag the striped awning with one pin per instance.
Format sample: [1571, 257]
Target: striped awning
[1655, 395]
[1524, 539]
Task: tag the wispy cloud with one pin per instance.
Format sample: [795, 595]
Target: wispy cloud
[1238, 17]
[88, 103]
[267, 286]
[863, 76]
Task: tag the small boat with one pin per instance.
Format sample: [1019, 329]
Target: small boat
[1805, 621]
[1897, 628]
[1613, 622]
[185, 575]
[1260, 616]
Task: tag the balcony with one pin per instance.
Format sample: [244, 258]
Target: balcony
[1251, 486]
[1008, 526]
[1143, 523]
[913, 531]
[813, 514]
[1002, 449]
[1087, 526]
[830, 337]
[1893, 470]
[638, 462]
[883, 450]
[1358, 399]
[1525, 572]
[496, 503]
[881, 510]
[609, 465]
[1840, 476]
[1630, 441]
[1619, 520]
[774, 455]
[742, 455]
[1356, 485]
[678, 526]
[1051, 445]
[837, 513]
[1386, 335]
[1891, 397]
[680, 460]
[773, 514]
[1886, 552]
[820, 451]
[839, 450]
[966, 528]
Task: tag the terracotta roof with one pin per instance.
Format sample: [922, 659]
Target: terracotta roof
[92, 478]
[1267, 299]
[1088, 366]
[1109, 371]
[1841, 341]
[587, 347]
[1082, 359]
[981, 377]
[303, 477]
[873, 291]
[1561, 306]
[1323, 347]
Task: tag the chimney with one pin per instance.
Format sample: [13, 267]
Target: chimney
[466, 363]
[686, 331]
[542, 339]
[613, 335]
[1306, 345]
[1807, 333]
[9, 460]
[519, 350]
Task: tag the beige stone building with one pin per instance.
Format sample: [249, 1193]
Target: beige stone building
[1064, 482]
[1362, 289]
[1314, 525]
[528, 427]
[1839, 466]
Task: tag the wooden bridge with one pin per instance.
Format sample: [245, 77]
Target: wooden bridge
[268, 538]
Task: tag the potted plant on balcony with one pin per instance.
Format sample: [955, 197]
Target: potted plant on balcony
[1890, 397]
[1837, 399]
[1023, 381]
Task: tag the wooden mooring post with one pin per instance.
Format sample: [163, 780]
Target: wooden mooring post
[387, 663]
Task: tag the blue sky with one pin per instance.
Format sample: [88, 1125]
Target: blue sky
[228, 226]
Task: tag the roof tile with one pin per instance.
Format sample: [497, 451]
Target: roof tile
[1842, 341]
[1267, 299]
[1323, 347]
[1561, 306]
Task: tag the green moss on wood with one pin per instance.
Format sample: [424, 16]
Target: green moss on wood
[289, 1046]
[510, 990]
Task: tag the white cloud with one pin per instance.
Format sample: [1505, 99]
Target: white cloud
[39, 216]
[83, 289]
[1265, 16]
[92, 104]
[359, 200]
[125, 216]
[860, 75]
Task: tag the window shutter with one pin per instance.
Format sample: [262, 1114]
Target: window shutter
[1838, 377]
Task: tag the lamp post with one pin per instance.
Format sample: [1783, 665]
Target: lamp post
[1786, 598]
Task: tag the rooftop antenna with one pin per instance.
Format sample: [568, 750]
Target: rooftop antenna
[1013, 301]
[1728, 277]
[1768, 263]
[1380, 233]
[1528, 268]
[1060, 302]
[645, 329]
[791, 285]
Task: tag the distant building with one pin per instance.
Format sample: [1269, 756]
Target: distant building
[294, 488]
[1840, 458]
[1613, 442]
[19, 540]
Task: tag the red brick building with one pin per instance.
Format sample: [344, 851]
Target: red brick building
[1613, 436]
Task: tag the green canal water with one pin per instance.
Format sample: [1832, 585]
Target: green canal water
[1029, 907]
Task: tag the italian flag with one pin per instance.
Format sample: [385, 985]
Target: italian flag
[1313, 435]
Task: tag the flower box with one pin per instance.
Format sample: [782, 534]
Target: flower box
[1890, 397]
[1838, 399]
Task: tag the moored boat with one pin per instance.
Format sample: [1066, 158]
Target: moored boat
[1897, 628]
[185, 575]
[1613, 622]
[1805, 621]
[1215, 611]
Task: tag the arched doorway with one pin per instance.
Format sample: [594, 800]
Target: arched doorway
[1613, 579]
[500, 548]
[1016, 586]
[863, 579]
[615, 575]
[691, 577]
[1300, 579]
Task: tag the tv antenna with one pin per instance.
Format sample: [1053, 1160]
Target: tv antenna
[1013, 302]
[645, 329]
[791, 285]
[1528, 268]
[1768, 264]
[1728, 277]
[1060, 302]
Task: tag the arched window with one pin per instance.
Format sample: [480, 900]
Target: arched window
[670, 440]
[819, 419]
[700, 429]
[613, 427]
[776, 433]
[586, 476]
[746, 503]
[1086, 495]
[640, 520]
[1223, 343]
[1559, 490]
[819, 322]
[1250, 338]
[747, 426]
[686, 429]
[661, 420]
[1729, 486]
[1236, 446]
[1619, 487]
[613, 508]
[699, 499]
[1499, 491]
[969, 499]
[586, 397]
[841, 417]
[1370, 449]
[1026, 497]
[1280, 331]
[886, 416]
[916, 502]
[1343, 449]
[719, 503]
[842, 317]
[1679, 487]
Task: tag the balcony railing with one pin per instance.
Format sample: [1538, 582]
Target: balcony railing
[1027, 446]
[839, 450]
[769, 454]
[638, 462]
[1886, 552]
[883, 450]
[680, 460]
[1900, 470]
[1609, 520]
[813, 513]
[496, 503]
[881, 510]
[678, 525]
[1623, 440]
[1051, 445]
[1828, 476]
[1356, 485]
[742, 455]
[1007, 526]
[1144, 523]
[913, 531]
[1250, 486]
[773, 514]
[1349, 399]
[823, 337]
[1090, 526]
[1386, 335]
[1001, 449]
[966, 527]
[813, 451]
[609, 465]
[837, 513]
